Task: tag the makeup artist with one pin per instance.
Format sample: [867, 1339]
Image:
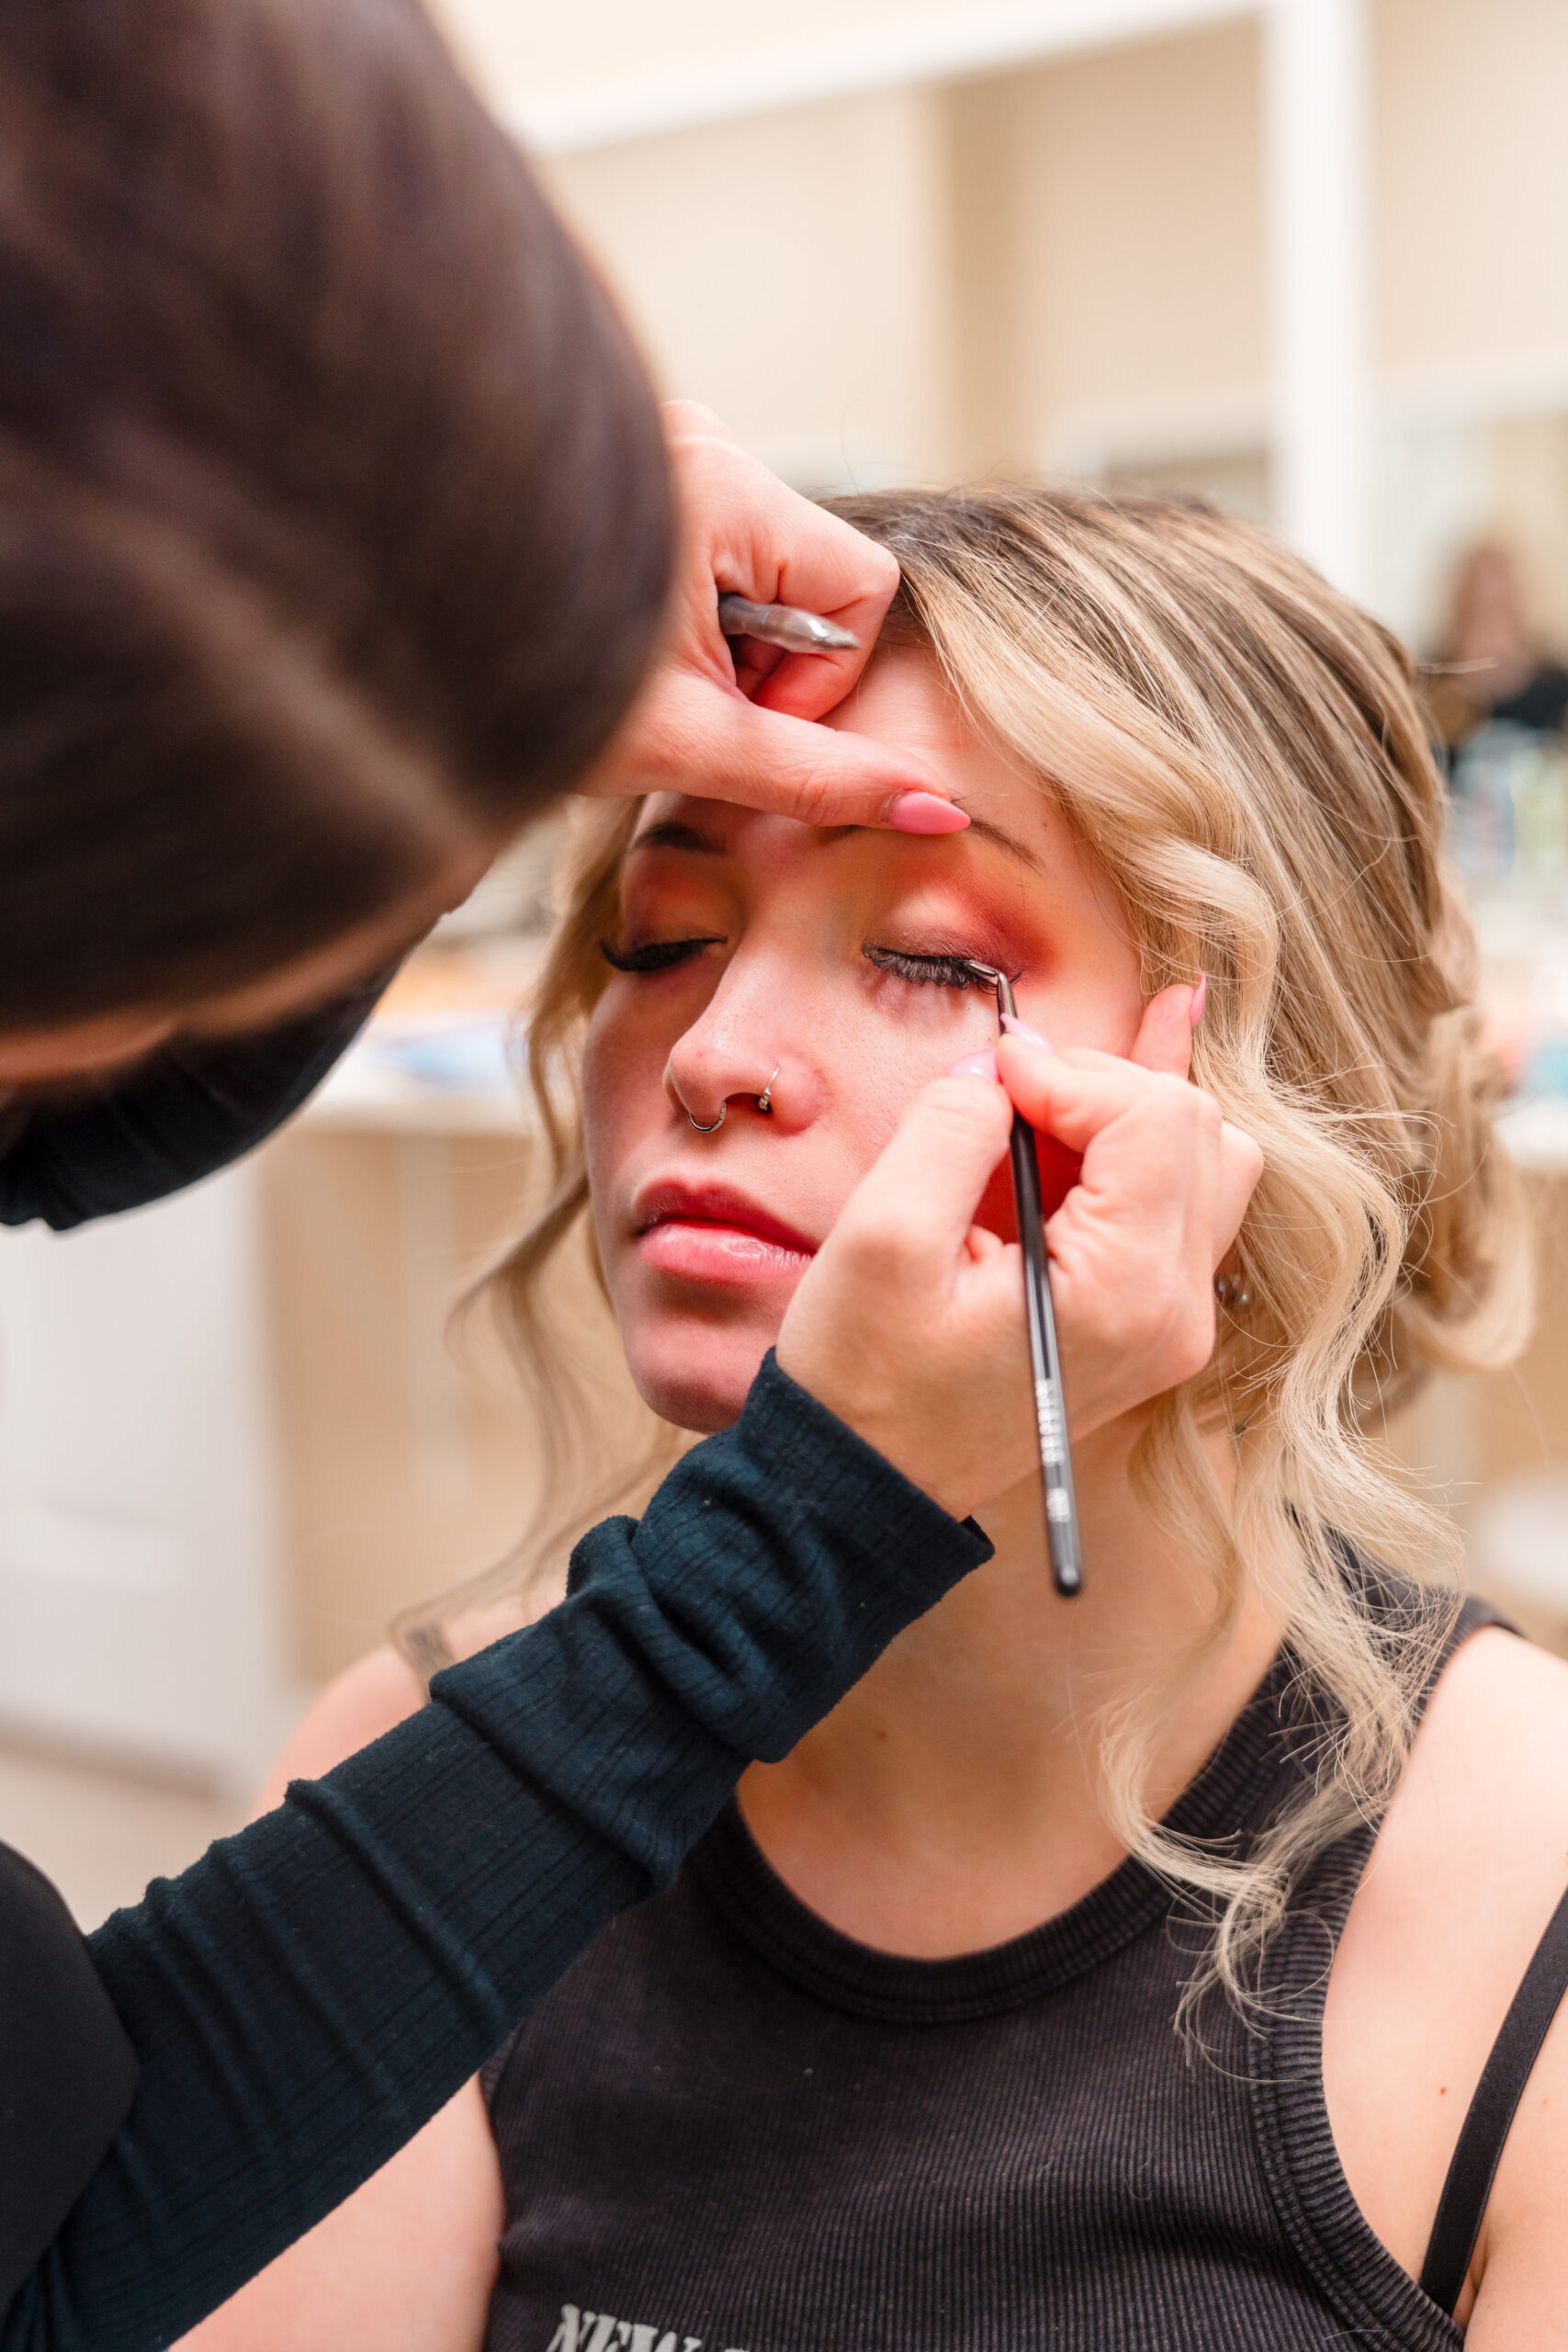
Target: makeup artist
[336, 540]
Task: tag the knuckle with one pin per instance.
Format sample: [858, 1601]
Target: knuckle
[880, 565]
[817, 796]
[1244, 1155]
[1179, 1096]
[874, 1243]
[1191, 1344]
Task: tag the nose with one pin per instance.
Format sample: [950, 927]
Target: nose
[735, 1057]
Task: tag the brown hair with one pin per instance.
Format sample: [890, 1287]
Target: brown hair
[1242, 752]
[335, 529]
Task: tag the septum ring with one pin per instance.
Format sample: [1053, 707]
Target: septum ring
[764, 1104]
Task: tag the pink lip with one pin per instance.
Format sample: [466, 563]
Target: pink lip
[710, 1233]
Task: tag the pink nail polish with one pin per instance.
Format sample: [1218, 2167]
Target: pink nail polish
[975, 1066]
[922, 812]
[1017, 1028]
[1200, 999]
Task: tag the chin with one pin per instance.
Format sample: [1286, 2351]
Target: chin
[697, 1379]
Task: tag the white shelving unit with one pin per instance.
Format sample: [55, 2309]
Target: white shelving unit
[140, 1567]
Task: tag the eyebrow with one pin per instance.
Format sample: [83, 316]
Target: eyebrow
[672, 834]
[1014, 847]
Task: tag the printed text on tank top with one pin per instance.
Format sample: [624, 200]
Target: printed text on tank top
[589, 2331]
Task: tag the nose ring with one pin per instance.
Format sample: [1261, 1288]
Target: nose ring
[765, 1100]
[713, 1125]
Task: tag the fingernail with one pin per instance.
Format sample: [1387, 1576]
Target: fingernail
[975, 1066]
[922, 812]
[1200, 999]
[1017, 1028]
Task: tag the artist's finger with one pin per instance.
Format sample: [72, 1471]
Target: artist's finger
[916, 1203]
[1165, 1035]
[687, 736]
[1241, 1165]
[1082, 1098]
[748, 534]
[1075, 1095]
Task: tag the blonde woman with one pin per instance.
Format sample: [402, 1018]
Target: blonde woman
[1105, 1973]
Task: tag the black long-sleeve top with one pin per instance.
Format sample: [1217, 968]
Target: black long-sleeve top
[185, 2092]
[191, 1108]
[308, 1994]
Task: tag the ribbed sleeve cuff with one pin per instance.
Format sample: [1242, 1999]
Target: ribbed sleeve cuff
[789, 1434]
[770, 1570]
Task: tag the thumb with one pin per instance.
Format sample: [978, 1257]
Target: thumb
[1164, 1041]
[693, 736]
[922, 1194]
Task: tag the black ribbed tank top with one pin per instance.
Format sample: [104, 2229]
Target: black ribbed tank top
[731, 2129]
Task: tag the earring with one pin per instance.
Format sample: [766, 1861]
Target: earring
[765, 1100]
[1232, 1292]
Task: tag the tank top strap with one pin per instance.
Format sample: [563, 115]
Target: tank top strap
[1313, 2199]
[1463, 2205]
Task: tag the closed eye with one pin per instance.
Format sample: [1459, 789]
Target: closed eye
[657, 955]
[926, 971]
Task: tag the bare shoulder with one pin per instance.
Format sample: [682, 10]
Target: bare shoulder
[1489, 1762]
[1468, 1868]
[1474, 1850]
[1497, 1774]
[378, 1690]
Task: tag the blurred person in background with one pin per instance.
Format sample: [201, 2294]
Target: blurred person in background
[336, 540]
[1492, 665]
[1497, 700]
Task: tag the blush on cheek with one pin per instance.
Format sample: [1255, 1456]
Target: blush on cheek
[1059, 1173]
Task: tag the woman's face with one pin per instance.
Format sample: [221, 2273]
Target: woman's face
[757, 942]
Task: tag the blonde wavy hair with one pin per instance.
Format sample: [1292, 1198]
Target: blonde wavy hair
[1245, 754]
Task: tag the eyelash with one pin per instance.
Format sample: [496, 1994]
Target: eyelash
[923, 971]
[659, 956]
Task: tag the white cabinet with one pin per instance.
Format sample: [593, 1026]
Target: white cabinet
[141, 1602]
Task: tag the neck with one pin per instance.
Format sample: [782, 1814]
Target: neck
[953, 1798]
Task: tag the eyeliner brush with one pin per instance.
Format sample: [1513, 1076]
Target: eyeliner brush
[1063, 1547]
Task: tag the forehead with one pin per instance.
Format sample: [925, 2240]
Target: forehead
[904, 699]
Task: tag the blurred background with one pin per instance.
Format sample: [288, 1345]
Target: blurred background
[1308, 257]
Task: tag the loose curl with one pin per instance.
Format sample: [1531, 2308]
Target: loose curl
[1244, 753]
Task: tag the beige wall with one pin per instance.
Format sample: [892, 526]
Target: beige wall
[790, 270]
[1065, 262]
[1064, 267]
[523, 48]
[1472, 153]
[1109, 214]
[1156, 143]
[1040, 269]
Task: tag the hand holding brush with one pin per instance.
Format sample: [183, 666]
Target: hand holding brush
[1161, 1192]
